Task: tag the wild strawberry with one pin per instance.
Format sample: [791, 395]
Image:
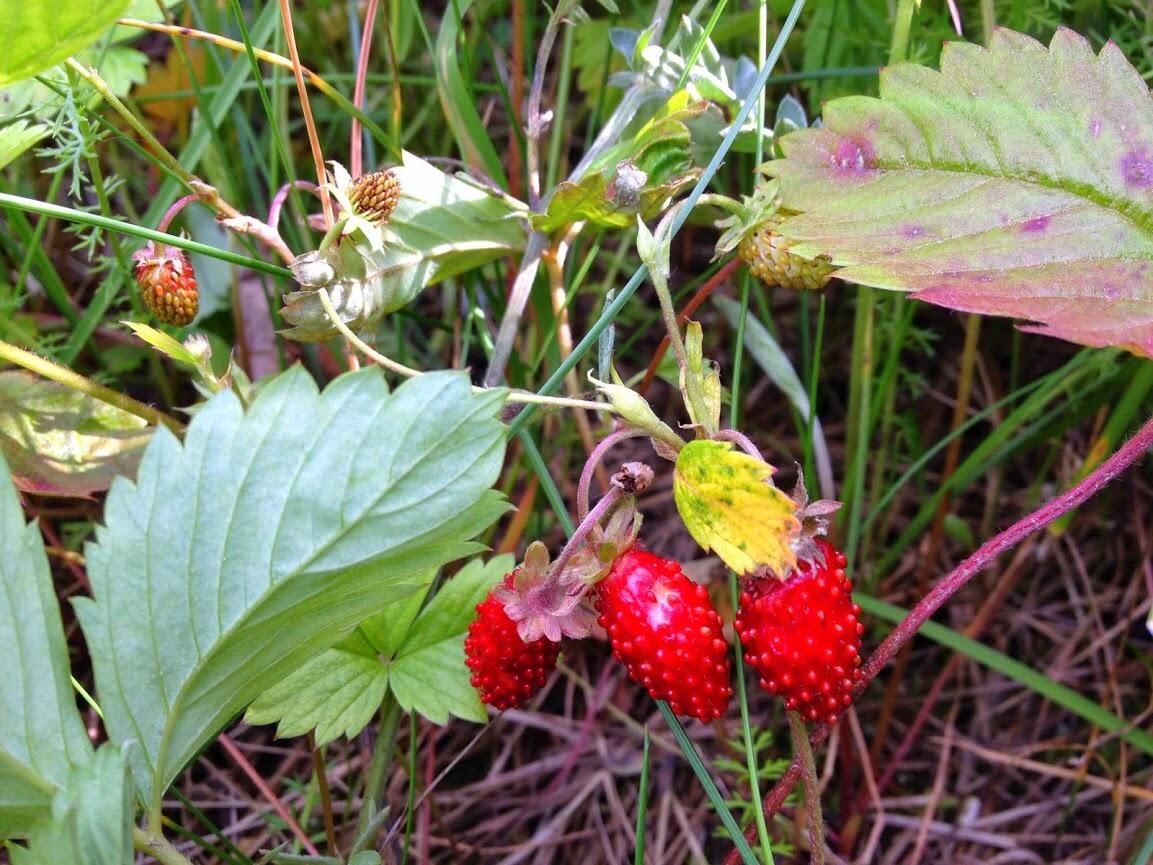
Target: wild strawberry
[769, 257]
[506, 670]
[665, 631]
[375, 195]
[802, 635]
[167, 283]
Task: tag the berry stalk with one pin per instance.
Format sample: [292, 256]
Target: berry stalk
[1072, 498]
[803, 750]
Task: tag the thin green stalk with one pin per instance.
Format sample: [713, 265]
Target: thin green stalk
[377, 775]
[858, 432]
[695, 53]
[158, 847]
[266, 101]
[751, 761]
[642, 803]
[706, 779]
[45, 208]
[613, 309]
[157, 150]
[902, 27]
[560, 107]
[80, 384]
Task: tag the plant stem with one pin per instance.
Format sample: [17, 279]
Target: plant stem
[804, 753]
[82, 217]
[306, 109]
[534, 121]
[577, 538]
[158, 847]
[1074, 497]
[80, 384]
[275, 60]
[740, 440]
[593, 461]
[356, 139]
[176, 207]
[514, 396]
[374, 782]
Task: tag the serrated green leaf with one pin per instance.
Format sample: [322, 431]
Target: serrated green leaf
[1017, 181]
[37, 36]
[442, 226]
[453, 608]
[429, 675]
[338, 692]
[263, 539]
[91, 821]
[435, 683]
[17, 137]
[62, 442]
[41, 734]
[334, 694]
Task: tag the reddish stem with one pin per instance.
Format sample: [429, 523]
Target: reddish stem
[608, 500]
[177, 206]
[281, 194]
[740, 440]
[593, 461]
[1074, 497]
[356, 144]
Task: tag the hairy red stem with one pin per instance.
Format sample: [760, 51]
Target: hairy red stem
[1072, 498]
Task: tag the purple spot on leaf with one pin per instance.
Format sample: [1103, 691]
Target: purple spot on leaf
[1137, 168]
[1112, 291]
[852, 156]
[1035, 225]
[984, 277]
[1094, 127]
[913, 231]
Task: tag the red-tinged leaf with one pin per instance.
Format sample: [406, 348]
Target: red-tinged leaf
[63, 443]
[1016, 181]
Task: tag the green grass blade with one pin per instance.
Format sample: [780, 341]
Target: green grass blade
[703, 775]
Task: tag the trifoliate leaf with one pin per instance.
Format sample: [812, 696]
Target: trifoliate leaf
[1016, 181]
[41, 734]
[729, 505]
[420, 657]
[267, 536]
[62, 442]
[338, 692]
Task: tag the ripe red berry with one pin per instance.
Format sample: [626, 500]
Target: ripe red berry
[167, 283]
[803, 635]
[664, 629]
[506, 670]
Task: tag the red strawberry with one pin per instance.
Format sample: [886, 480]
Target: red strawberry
[167, 283]
[665, 631]
[506, 670]
[803, 637]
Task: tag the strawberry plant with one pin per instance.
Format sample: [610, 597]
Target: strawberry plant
[379, 443]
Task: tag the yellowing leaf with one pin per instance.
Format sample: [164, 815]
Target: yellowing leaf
[730, 506]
